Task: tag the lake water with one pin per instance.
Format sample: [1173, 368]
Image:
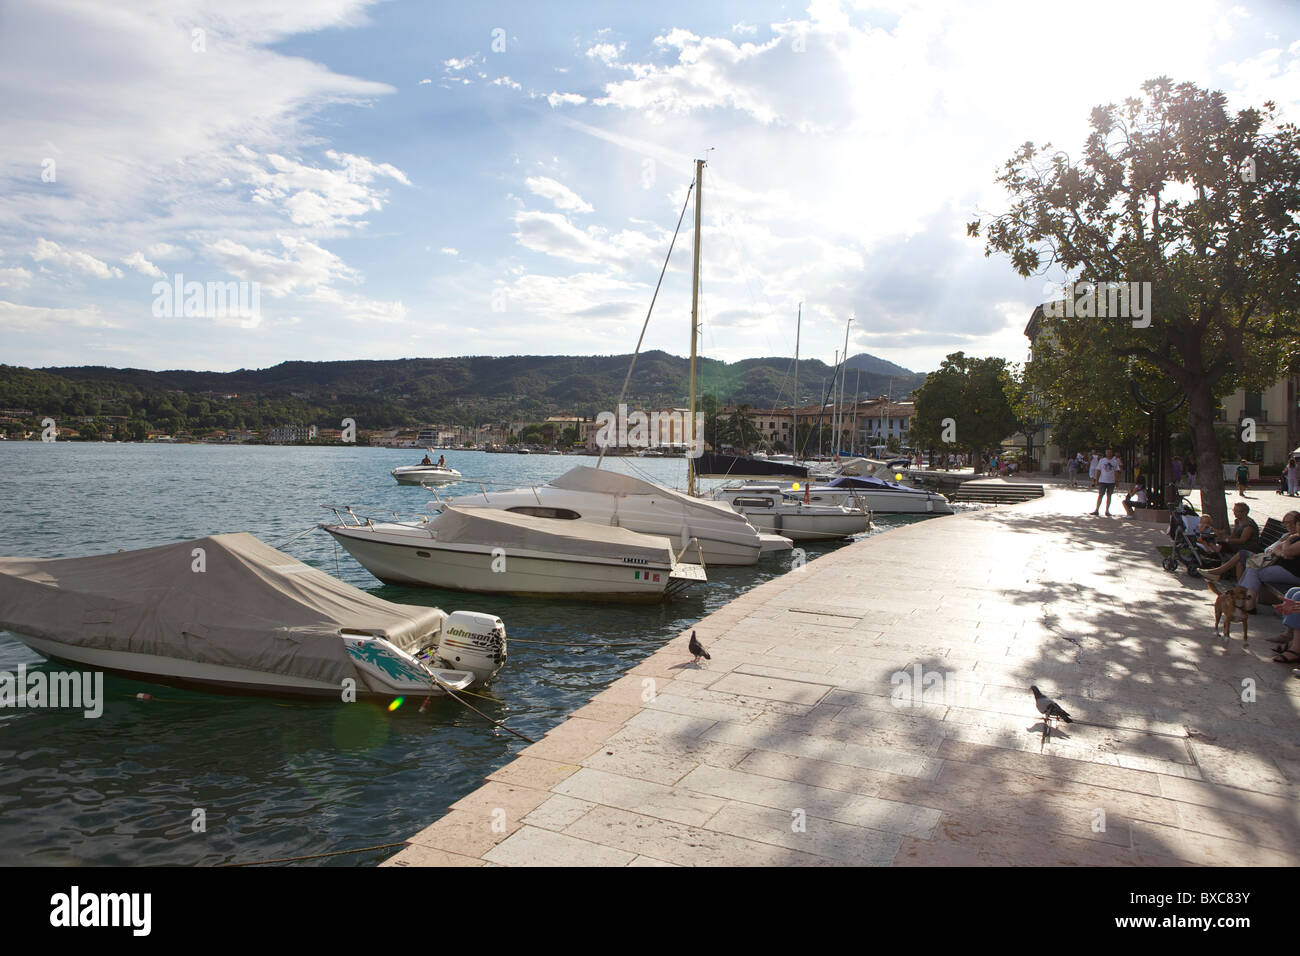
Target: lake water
[275, 778]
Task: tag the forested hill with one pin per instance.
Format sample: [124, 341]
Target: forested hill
[469, 390]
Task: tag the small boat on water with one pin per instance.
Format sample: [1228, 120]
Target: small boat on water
[229, 613]
[426, 475]
[491, 551]
[770, 509]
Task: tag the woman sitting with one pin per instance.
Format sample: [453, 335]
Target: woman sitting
[1137, 498]
[1284, 572]
[1233, 546]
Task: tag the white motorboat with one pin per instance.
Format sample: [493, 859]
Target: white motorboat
[874, 482]
[231, 613]
[426, 475]
[611, 498]
[493, 551]
[767, 507]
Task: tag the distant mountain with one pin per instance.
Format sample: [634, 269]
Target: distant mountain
[467, 390]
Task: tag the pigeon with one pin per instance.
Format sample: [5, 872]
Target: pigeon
[698, 650]
[1048, 707]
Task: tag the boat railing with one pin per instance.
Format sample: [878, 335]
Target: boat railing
[347, 516]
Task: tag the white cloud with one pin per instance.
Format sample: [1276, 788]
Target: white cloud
[425, 81]
[558, 193]
[455, 65]
[303, 269]
[165, 250]
[316, 197]
[744, 29]
[359, 309]
[140, 264]
[448, 250]
[29, 318]
[607, 53]
[507, 82]
[551, 233]
[15, 278]
[571, 99]
[73, 261]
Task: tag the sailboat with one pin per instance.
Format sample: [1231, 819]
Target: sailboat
[766, 506]
[703, 531]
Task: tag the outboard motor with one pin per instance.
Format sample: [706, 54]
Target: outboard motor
[473, 642]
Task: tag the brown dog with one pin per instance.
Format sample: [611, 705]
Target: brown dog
[1229, 606]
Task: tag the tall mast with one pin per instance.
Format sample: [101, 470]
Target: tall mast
[695, 315]
[843, 381]
[835, 404]
[819, 417]
[794, 438]
[857, 398]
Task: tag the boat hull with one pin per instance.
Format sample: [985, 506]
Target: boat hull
[425, 475]
[884, 502]
[723, 540]
[213, 678]
[810, 527]
[482, 570]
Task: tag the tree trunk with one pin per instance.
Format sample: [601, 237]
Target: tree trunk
[1209, 464]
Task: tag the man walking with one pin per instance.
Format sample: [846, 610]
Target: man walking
[1243, 476]
[1072, 472]
[1293, 476]
[1108, 470]
[1092, 468]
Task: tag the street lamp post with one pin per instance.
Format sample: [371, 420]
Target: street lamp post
[1157, 411]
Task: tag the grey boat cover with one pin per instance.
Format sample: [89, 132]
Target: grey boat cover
[488, 527]
[585, 478]
[252, 606]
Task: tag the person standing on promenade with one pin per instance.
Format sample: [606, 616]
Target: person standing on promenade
[1072, 472]
[1293, 476]
[1243, 476]
[1177, 469]
[1108, 470]
[1190, 471]
[1092, 468]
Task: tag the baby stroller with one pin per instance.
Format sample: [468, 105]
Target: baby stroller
[1187, 548]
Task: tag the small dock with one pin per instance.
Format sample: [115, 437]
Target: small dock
[874, 709]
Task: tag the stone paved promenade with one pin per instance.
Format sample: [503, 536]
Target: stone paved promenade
[794, 720]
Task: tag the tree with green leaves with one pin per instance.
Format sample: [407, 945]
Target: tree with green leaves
[1192, 209]
[964, 406]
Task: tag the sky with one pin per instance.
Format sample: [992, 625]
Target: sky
[426, 179]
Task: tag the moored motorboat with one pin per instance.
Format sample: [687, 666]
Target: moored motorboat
[611, 498]
[488, 550]
[767, 507]
[230, 613]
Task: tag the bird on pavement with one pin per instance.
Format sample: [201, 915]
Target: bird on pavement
[698, 650]
[1048, 707]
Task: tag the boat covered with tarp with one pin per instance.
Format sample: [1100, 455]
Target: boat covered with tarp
[230, 612]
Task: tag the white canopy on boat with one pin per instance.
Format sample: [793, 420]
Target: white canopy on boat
[520, 532]
[586, 478]
[249, 606]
